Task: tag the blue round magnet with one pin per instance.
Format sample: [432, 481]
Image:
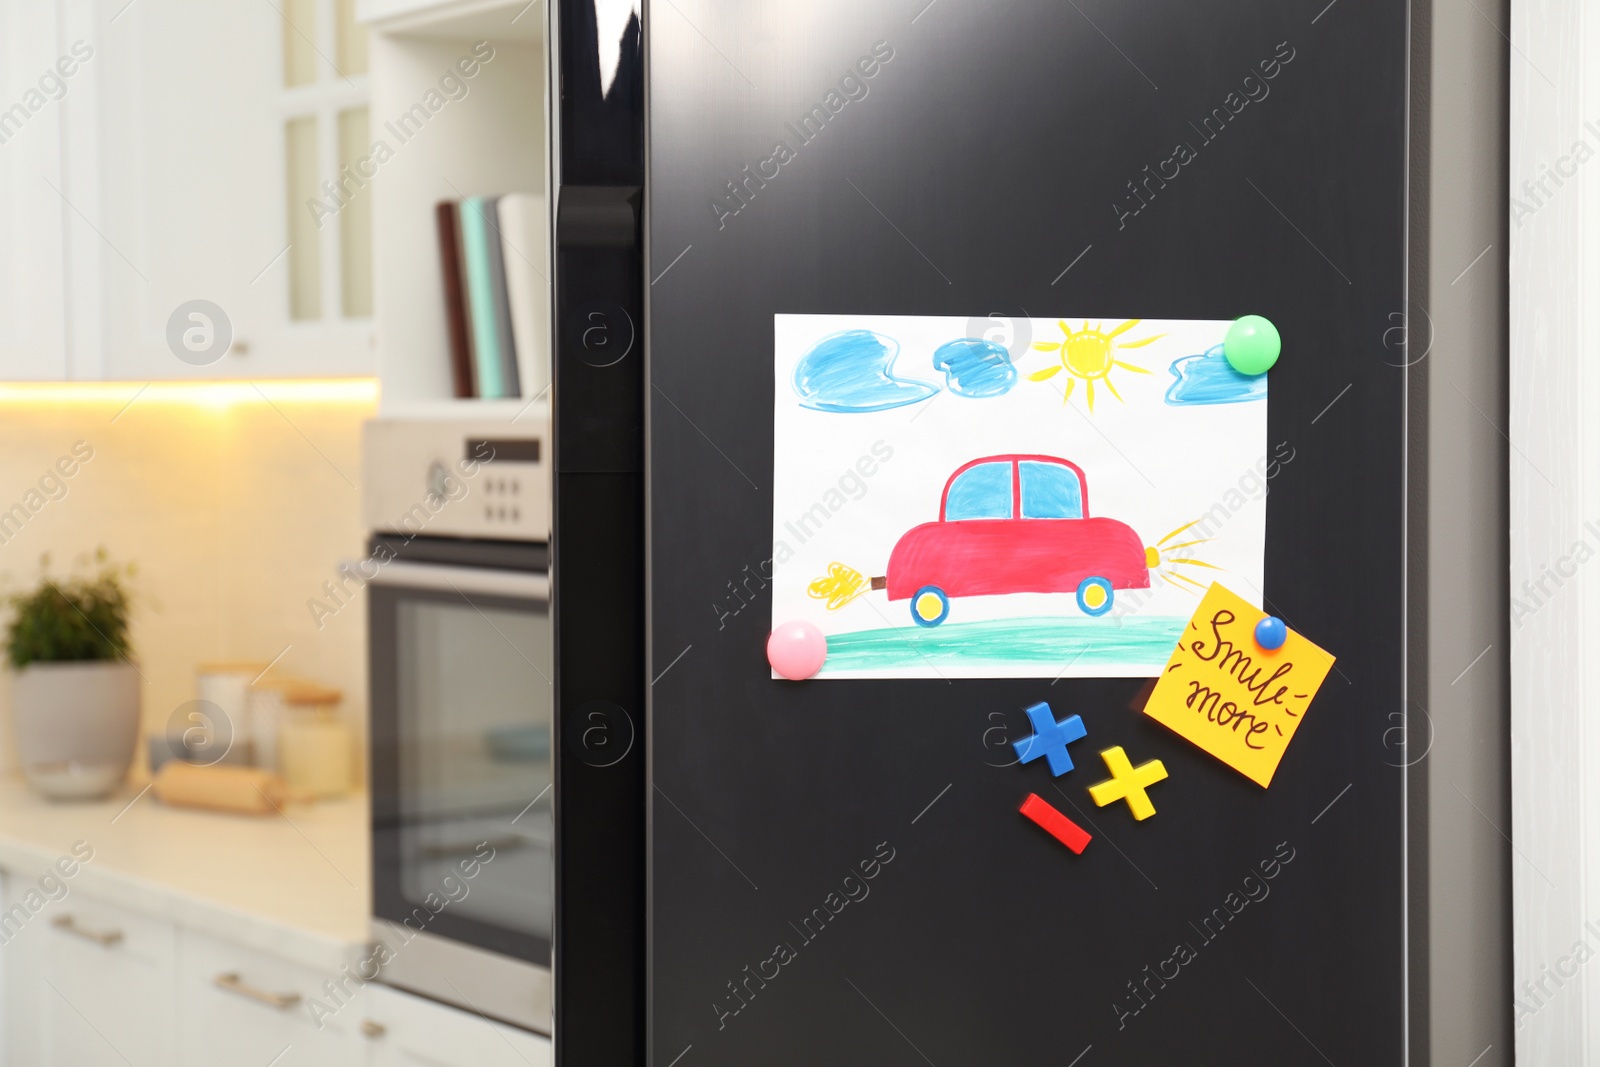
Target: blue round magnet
[1271, 633]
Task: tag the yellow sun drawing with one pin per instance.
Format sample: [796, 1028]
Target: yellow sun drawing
[1087, 354]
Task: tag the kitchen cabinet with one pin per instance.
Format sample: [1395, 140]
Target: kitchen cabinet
[32, 278]
[167, 902]
[184, 162]
[198, 132]
[407, 1031]
[246, 1008]
[88, 983]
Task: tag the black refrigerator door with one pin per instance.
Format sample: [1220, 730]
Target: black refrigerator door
[597, 533]
[965, 158]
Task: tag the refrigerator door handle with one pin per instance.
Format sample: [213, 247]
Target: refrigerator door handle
[597, 542]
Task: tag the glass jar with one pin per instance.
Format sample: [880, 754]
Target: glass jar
[315, 752]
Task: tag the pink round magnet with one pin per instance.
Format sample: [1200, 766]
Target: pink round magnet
[796, 650]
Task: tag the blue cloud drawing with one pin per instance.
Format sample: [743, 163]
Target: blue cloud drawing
[1211, 379]
[974, 367]
[850, 372]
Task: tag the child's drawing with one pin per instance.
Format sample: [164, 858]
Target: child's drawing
[1211, 379]
[949, 532]
[850, 371]
[1088, 356]
[975, 367]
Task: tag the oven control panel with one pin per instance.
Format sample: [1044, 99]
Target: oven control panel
[458, 477]
[503, 501]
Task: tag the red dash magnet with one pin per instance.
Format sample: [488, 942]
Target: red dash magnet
[1055, 824]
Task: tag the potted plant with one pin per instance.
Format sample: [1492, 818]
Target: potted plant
[75, 693]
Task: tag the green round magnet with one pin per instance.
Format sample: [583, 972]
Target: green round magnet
[1252, 345]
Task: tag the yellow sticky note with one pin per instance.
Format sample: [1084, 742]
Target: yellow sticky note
[1233, 698]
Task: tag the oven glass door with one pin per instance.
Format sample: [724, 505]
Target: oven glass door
[461, 777]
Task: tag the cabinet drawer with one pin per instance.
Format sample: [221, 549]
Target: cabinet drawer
[106, 977]
[408, 1031]
[96, 929]
[245, 1008]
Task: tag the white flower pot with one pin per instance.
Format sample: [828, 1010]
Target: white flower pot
[76, 726]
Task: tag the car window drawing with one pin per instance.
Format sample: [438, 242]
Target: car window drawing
[1050, 490]
[980, 491]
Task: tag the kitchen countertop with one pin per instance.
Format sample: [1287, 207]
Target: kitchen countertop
[295, 885]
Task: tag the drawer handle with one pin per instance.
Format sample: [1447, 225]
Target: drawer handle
[103, 938]
[234, 984]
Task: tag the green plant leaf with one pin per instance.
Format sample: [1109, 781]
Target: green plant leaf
[81, 617]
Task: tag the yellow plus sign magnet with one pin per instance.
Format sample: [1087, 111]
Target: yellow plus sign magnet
[1127, 782]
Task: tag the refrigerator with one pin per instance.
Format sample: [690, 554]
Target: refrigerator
[847, 293]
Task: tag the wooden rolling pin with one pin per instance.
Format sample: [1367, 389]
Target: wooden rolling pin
[247, 790]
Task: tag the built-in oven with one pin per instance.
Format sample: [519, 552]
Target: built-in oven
[461, 675]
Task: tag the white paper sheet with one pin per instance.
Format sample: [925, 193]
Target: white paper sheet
[873, 416]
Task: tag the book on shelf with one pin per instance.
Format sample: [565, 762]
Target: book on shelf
[486, 305]
[447, 218]
[494, 254]
[525, 246]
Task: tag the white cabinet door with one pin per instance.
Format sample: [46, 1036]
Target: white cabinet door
[194, 194]
[109, 974]
[88, 984]
[144, 166]
[242, 1008]
[407, 1031]
[32, 269]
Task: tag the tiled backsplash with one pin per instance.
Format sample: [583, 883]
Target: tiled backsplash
[236, 504]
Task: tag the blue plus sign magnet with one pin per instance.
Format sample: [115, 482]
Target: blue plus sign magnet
[1050, 738]
[1271, 633]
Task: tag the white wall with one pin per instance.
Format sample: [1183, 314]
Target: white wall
[235, 512]
[1555, 491]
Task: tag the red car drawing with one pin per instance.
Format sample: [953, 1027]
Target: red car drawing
[1015, 524]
